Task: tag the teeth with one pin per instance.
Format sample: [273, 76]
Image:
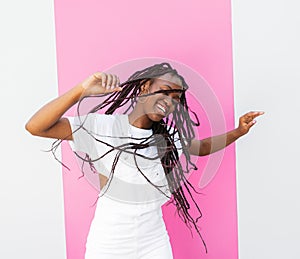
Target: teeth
[161, 108]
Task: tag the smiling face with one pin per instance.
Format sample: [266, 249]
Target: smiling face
[162, 104]
[151, 108]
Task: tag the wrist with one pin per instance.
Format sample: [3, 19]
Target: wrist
[80, 91]
[238, 132]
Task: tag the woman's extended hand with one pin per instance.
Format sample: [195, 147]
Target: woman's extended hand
[247, 121]
[212, 144]
[100, 83]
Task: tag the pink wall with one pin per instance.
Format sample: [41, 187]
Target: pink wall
[93, 35]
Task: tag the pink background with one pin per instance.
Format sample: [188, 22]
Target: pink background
[94, 35]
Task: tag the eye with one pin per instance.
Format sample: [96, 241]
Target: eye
[164, 90]
[176, 97]
[168, 91]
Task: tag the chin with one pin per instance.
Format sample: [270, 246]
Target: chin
[155, 117]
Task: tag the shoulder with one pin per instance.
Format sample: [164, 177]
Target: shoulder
[107, 119]
[91, 118]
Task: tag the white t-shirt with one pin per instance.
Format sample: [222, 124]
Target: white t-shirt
[103, 138]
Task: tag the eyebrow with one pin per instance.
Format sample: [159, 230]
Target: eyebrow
[171, 87]
[168, 86]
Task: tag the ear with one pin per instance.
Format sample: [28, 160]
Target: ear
[145, 88]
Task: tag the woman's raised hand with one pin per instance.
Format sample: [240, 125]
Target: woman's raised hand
[48, 121]
[100, 83]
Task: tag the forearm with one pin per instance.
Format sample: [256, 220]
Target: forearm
[215, 143]
[50, 113]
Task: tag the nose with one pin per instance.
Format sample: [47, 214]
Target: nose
[168, 101]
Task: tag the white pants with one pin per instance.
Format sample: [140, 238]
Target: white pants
[127, 231]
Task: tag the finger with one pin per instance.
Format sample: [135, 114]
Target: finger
[98, 75]
[117, 89]
[251, 123]
[111, 90]
[114, 81]
[109, 81]
[103, 79]
[250, 116]
[260, 113]
[256, 114]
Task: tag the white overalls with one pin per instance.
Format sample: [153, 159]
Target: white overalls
[128, 221]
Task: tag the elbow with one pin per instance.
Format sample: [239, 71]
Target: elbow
[31, 129]
[204, 149]
[204, 153]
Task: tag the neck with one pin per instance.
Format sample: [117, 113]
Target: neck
[139, 119]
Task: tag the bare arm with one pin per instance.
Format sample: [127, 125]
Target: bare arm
[48, 121]
[215, 143]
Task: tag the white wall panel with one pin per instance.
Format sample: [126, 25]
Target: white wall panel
[266, 42]
[31, 197]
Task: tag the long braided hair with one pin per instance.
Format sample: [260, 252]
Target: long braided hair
[180, 123]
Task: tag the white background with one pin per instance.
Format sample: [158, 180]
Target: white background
[266, 76]
[31, 192]
[266, 40]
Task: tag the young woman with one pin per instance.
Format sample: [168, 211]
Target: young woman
[136, 153]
